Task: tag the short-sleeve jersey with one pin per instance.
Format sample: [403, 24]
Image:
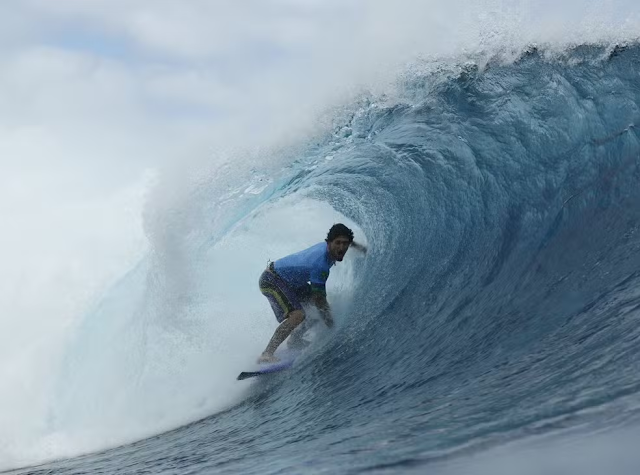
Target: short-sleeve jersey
[309, 266]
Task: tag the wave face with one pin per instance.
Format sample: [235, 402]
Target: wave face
[500, 298]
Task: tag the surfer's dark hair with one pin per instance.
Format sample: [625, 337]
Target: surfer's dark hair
[338, 230]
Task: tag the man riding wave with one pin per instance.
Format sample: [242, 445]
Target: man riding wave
[298, 279]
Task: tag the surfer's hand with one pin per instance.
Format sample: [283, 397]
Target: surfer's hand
[359, 247]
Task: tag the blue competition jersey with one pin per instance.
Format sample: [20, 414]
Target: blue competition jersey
[311, 265]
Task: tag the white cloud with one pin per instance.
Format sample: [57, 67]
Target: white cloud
[235, 57]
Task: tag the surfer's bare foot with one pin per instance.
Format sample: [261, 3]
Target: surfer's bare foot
[267, 358]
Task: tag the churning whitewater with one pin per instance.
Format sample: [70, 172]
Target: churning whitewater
[498, 306]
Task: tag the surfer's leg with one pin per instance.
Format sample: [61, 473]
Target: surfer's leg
[296, 339]
[286, 307]
[277, 295]
[297, 334]
[293, 319]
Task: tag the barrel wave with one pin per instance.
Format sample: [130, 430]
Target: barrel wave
[499, 302]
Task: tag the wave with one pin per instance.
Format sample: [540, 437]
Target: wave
[499, 299]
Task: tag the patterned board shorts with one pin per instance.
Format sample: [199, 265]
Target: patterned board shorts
[282, 298]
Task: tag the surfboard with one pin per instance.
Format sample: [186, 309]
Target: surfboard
[287, 358]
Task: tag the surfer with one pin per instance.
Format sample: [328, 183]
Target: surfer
[299, 279]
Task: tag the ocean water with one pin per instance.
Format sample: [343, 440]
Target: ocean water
[493, 326]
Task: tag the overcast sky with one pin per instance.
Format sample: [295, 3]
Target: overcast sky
[86, 84]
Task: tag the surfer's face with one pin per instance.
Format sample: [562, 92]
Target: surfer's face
[338, 248]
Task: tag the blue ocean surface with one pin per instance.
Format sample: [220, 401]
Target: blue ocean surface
[492, 327]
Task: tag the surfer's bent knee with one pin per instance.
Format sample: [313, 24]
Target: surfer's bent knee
[296, 317]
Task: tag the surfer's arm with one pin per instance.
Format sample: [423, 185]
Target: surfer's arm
[320, 301]
[359, 247]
